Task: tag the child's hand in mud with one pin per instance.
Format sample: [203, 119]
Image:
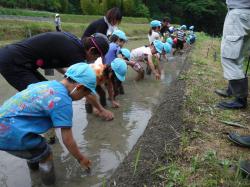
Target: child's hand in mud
[85, 163]
[115, 104]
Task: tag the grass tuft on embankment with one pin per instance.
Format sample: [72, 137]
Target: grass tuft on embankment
[205, 157]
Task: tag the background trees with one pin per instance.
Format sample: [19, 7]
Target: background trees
[205, 15]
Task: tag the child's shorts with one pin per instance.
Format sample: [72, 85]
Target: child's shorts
[38, 153]
[138, 67]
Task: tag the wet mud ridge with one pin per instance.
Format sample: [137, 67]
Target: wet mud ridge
[159, 142]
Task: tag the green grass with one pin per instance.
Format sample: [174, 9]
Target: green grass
[205, 155]
[18, 29]
[66, 17]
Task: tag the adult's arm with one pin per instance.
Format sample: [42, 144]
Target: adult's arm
[61, 70]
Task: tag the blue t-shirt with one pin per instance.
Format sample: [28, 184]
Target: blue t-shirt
[112, 53]
[32, 112]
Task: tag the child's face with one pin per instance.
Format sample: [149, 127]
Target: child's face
[158, 29]
[121, 43]
[79, 93]
[153, 49]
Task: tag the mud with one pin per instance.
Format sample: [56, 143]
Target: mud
[159, 142]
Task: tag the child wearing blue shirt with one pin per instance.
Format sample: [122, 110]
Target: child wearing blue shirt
[117, 41]
[37, 109]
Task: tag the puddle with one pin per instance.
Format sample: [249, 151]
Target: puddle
[105, 143]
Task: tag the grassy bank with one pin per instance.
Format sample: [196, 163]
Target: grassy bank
[205, 157]
[17, 29]
[66, 17]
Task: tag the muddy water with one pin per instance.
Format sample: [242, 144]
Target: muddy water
[105, 143]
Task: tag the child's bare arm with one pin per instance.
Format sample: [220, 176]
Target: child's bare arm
[92, 99]
[72, 147]
[152, 67]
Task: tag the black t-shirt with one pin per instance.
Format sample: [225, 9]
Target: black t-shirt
[164, 30]
[97, 26]
[54, 49]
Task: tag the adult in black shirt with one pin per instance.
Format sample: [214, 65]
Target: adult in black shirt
[164, 26]
[19, 61]
[105, 25]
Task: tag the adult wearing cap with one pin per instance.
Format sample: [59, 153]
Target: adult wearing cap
[235, 40]
[19, 62]
[58, 23]
[40, 107]
[105, 25]
[154, 31]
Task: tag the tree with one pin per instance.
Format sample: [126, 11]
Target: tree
[128, 7]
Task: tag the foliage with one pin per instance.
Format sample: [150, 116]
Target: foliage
[207, 15]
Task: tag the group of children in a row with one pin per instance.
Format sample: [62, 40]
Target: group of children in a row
[41, 106]
[177, 37]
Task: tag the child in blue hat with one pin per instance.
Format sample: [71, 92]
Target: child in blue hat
[111, 76]
[117, 41]
[154, 32]
[40, 107]
[144, 54]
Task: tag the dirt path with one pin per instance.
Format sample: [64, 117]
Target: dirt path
[160, 137]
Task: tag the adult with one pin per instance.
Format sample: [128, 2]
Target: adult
[236, 35]
[105, 25]
[165, 24]
[19, 62]
[58, 23]
[243, 141]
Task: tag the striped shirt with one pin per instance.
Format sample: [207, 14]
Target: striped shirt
[180, 35]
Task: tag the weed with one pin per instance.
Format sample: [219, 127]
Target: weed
[137, 161]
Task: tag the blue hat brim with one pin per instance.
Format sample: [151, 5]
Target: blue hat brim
[121, 78]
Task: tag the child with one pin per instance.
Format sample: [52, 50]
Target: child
[191, 37]
[37, 109]
[99, 68]
[117, 40]
[144, 54]
[108, 75]
[154, 32]
[181, 37]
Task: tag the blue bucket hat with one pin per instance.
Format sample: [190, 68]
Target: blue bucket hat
[167, 48]
[191, 27]
[120, 68]
[120, 34]
[83, 74]
[170, 41]
[155, 23]
[183, 27]
[158, 46]
[125, 52]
